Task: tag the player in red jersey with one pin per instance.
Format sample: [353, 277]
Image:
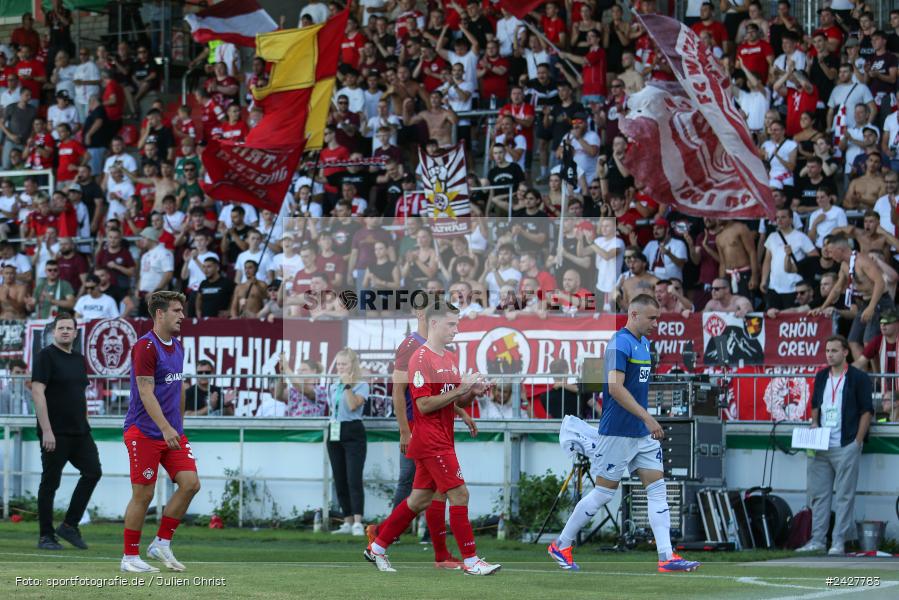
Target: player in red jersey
[436, 390]
[154, 434]
[435, 514]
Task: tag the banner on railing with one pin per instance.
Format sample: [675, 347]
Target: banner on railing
[235, 348]
[528, 344]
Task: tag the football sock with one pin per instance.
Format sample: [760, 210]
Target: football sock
[659, 517]
[461, 526]
[585, 510]
[167, 528]
[132, 542]
[435, 515]
[378, 549]
[471, 561]
[395, 524]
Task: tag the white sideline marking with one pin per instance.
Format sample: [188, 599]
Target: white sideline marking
[760, 581]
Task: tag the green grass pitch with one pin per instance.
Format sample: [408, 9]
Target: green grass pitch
[290, 564]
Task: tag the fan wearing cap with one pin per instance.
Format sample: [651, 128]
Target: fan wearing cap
[881, 355]
[585, 145]
[667, 255]
[63, 112]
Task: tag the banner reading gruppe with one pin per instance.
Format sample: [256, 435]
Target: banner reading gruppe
[691, 146]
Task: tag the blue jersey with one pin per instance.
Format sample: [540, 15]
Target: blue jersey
[631, 356]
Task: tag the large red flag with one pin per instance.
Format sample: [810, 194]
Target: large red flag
[521, 8]
[691, 146]
[295, 109]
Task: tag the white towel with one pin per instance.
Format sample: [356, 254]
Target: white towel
[577, 437]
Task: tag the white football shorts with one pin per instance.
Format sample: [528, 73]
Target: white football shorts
[615, 454]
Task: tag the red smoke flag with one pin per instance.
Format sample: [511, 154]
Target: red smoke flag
[520, 8]
[295, 109]
[691, 146]
[234, 21]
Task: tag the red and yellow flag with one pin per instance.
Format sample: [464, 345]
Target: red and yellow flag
[295, 106]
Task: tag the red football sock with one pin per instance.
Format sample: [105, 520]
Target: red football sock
[167, 528]
[132, 542]
[395, 524]
[435, 515]
[461, 527]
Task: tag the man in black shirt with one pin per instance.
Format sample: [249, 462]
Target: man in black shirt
[530, 226]
[806, 188]
[503, 173]
[214, 295]
[558, 121]
[234, 240]
[203, 398]
[824, 66]
[144, 74]
[58, 383]
[157, 133]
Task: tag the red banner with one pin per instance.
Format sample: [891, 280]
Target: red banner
[252, 175]
[691, 146]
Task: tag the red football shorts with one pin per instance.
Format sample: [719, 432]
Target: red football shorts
[145, 455]
[438, 472]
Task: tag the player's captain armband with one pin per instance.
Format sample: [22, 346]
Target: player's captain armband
[418, 379]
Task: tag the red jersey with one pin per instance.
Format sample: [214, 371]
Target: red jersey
[236, 132]
[39, 223]
[26, 37]
[797, 103]
[34, 160]
[716, 29]
[522, 111]
[211, 115]
[219, 98]
[332, 266]
[755, 57]
[140, 221]
[553, 29]
[117, 110]
[349, 49]
[594, 73]
[432, 374]
[402, 30]
[327, 155]
[67, 221]
[70, 154]
[27, 70]
[147, 193]
[4, 76]
[187, 129]
[832, 33]
[430, 70]
[493, 84]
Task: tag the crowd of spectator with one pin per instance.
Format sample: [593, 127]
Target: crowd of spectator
[127, 214]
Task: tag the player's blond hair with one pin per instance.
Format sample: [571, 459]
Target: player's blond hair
[353, 358]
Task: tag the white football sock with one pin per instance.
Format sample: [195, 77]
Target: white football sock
[471, 561]
[377, 549]
[659, 517]
[161, 542]
[585, 510]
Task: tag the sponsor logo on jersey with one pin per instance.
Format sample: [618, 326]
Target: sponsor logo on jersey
[644, 374]
[418, 379]
[172, 377]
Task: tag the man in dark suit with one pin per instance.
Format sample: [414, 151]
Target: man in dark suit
[841, 402]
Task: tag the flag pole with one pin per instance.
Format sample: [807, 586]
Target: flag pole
[546, 41]
[562, 222]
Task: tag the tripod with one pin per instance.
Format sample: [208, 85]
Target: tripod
[579, 471]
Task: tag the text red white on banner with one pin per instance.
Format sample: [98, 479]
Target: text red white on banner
[690, 145]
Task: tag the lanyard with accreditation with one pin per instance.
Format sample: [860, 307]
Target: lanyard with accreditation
[831, 413]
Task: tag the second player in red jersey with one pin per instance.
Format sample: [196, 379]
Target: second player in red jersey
[437, 387]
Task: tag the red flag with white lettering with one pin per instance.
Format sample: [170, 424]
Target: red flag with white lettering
[690, 146]
[521, 8]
